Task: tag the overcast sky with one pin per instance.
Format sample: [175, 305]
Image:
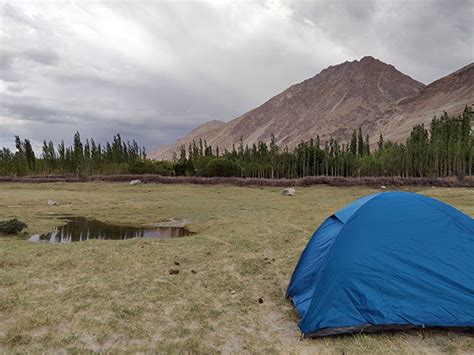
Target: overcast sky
[153, 70]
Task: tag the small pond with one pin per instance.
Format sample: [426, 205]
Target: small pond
[79, 229]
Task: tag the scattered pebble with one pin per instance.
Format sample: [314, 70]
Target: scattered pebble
[176, 263]
[52, 203]
[260, 300]
[193, 272]
[174, 272]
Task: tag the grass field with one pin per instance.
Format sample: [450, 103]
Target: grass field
[119, 295]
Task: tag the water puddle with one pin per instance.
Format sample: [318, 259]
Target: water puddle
[79, 229]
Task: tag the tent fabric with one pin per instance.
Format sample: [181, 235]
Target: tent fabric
[388, 260]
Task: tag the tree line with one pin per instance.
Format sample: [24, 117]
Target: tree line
[445, 148]
[82, 158]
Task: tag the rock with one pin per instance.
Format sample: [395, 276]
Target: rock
[383, 187]
[135, 182]
[289, 191]
[260, 300]
[52, 203]
[193, 272]
[176, 263]
[174, 272]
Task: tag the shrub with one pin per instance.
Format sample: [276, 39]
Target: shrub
[151, 167]
[221, 167]
[12, 226]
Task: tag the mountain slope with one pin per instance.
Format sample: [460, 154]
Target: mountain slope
[450, 93]
[206, 131]
[336, 101]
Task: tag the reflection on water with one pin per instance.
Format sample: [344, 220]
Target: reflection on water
[80, 229]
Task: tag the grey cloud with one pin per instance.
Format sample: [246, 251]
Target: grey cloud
[7, 57]
[425, 39]
[41, 55]
[16, 88]
[154, 70]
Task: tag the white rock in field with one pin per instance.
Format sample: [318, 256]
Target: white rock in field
[52, 203]
[289, 191]
[383, 187]
[135, 182]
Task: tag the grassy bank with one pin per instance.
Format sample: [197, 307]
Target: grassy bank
[119, 295]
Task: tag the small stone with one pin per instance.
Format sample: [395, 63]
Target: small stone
[383, 187]
[177, 263]
[174, 272]
[193, 272]
[52, 203]
[260, 300]
[289, 191]
[135, 182]
[232, 292]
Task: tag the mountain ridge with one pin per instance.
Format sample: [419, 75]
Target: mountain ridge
[332, 103]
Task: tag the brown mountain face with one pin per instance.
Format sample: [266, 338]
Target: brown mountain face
[333, 103]
[450, 93]
[206, 131]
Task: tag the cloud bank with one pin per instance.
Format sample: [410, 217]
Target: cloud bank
[153, 70]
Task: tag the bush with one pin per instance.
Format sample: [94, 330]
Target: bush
[221, 167]
[151, 167]
[12, 226]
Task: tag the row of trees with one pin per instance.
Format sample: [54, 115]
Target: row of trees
[446, 148]
[83, 158]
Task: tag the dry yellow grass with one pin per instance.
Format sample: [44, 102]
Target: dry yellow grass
[119, 295]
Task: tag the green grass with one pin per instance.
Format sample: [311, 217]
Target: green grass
[119, 295]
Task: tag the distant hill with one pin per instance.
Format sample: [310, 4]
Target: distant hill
[450, 93]
[341, 98]
[205, 131]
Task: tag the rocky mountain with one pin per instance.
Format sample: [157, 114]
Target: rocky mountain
[207, 131]
[450, 93]
[341, 98]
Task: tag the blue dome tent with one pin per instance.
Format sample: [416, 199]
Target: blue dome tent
[387, 261]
